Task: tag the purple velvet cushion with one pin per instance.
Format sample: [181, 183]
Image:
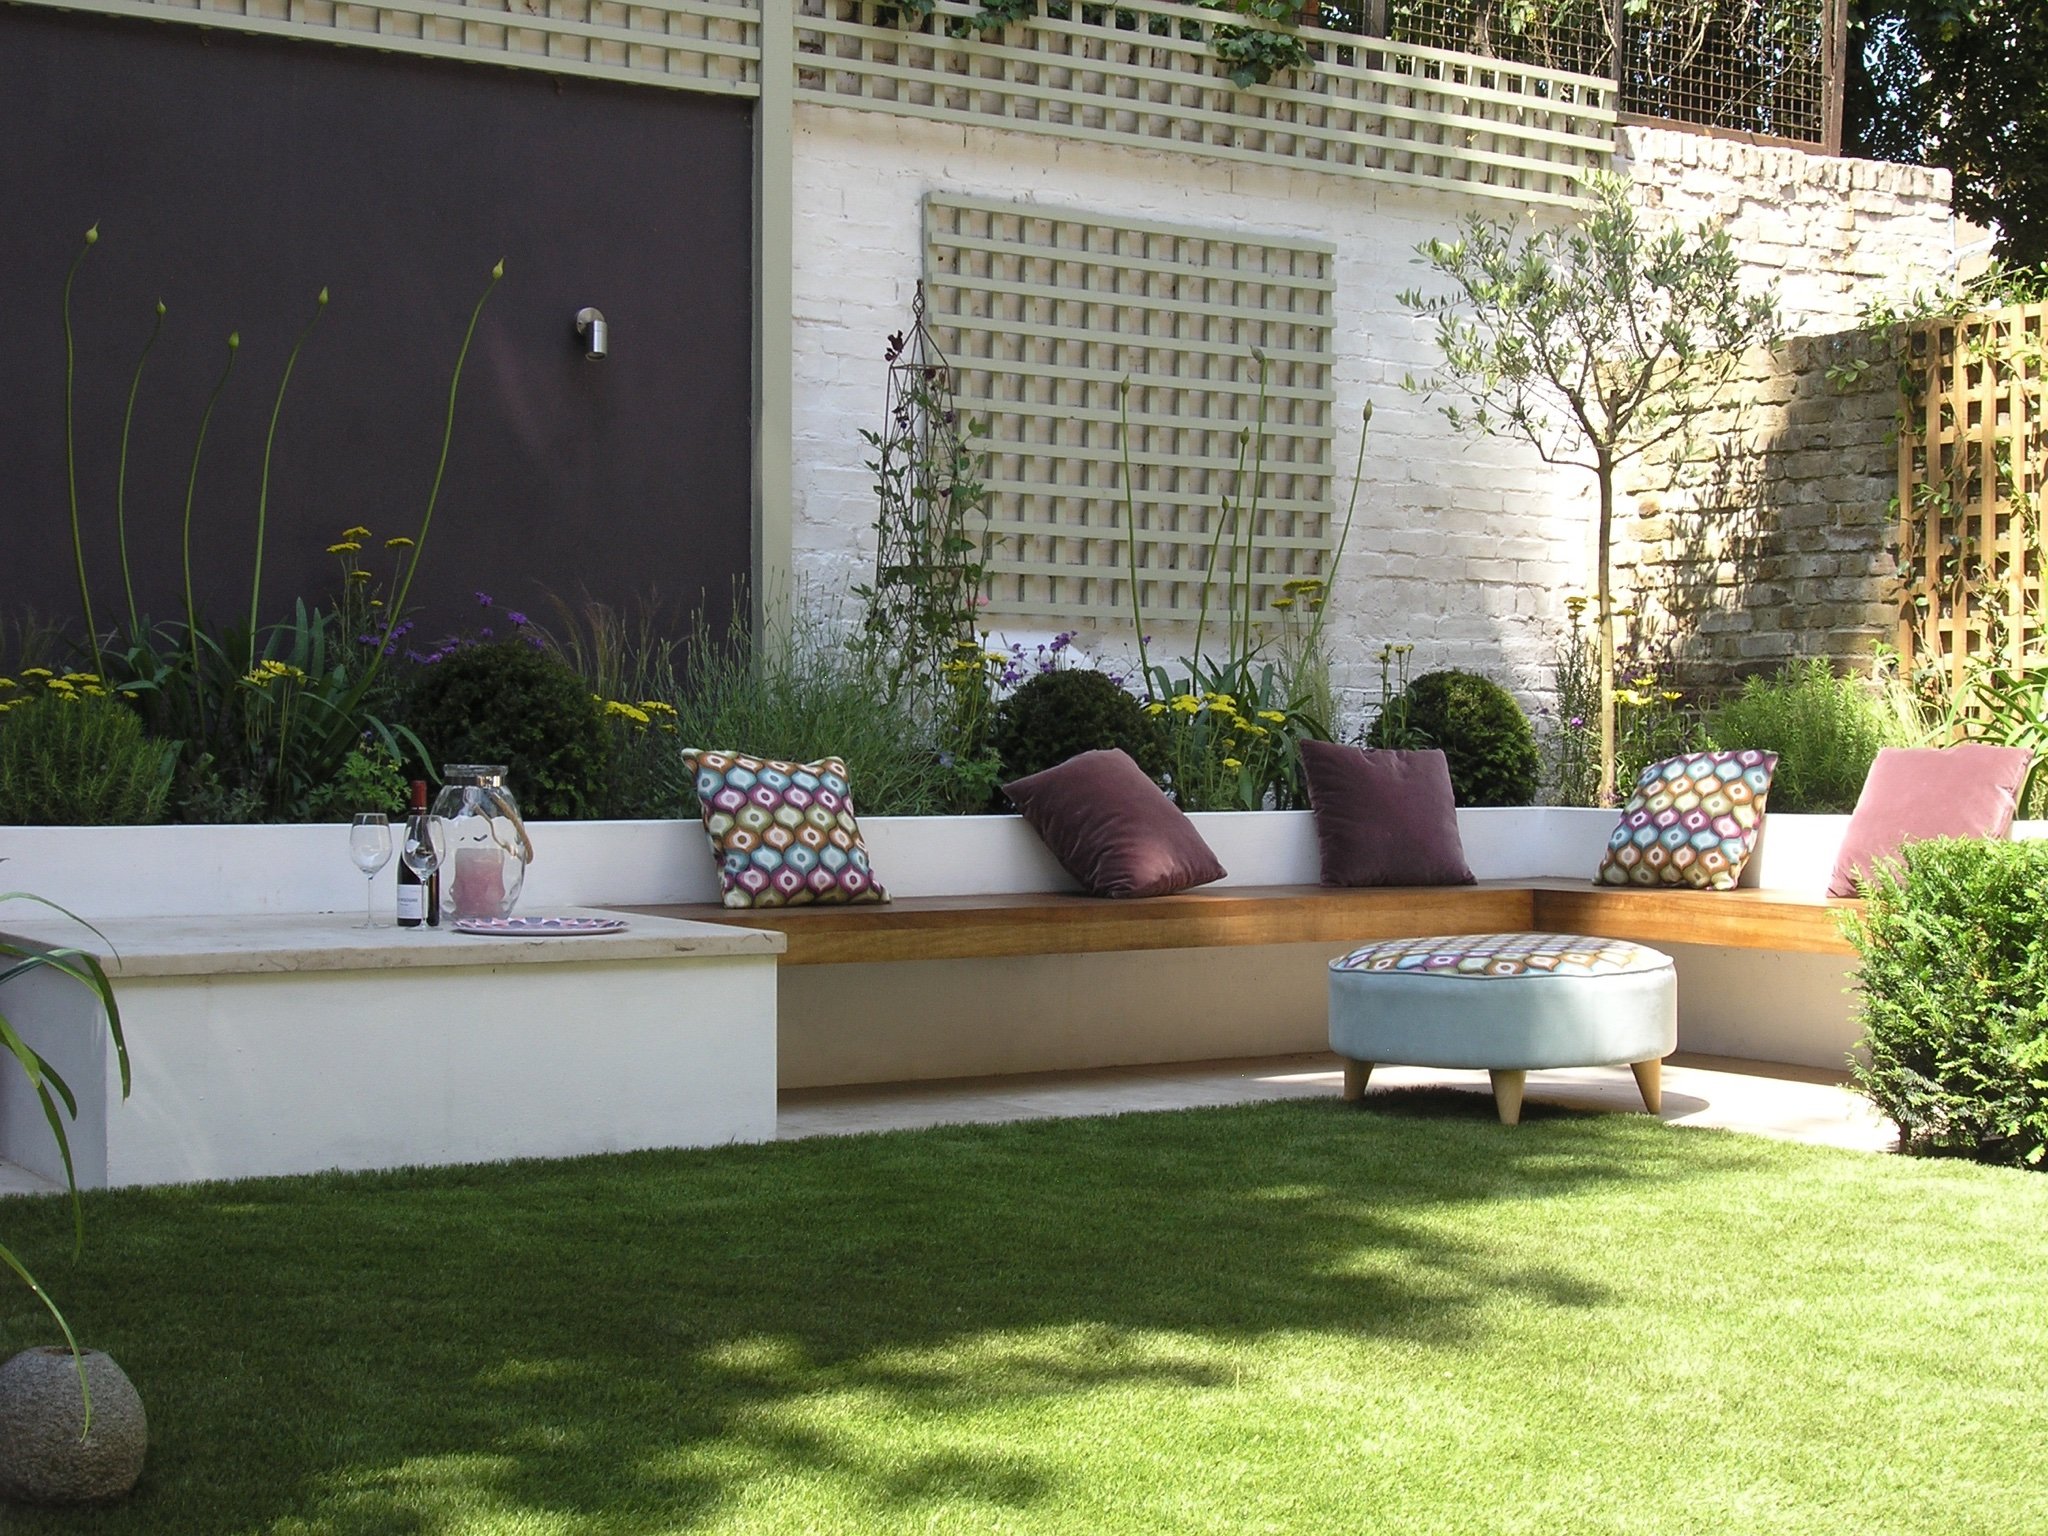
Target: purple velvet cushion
[1112, 828]
[1918, 792]
[1384, 818]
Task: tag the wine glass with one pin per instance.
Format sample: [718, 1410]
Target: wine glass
[369, 844]
[424, 847]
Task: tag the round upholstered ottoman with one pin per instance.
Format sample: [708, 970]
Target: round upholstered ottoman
[1505, 1003]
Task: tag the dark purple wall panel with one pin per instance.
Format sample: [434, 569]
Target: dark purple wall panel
[233, 177]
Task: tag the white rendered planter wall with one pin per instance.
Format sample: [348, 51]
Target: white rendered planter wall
[956, 1018]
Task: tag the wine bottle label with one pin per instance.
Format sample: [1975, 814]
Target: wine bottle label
[412, 903]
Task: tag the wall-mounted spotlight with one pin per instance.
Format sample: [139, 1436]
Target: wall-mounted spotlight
[597, 336]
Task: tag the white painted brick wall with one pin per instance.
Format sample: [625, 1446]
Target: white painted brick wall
[1465, 548]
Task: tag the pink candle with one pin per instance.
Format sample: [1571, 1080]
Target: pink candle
[479, 883]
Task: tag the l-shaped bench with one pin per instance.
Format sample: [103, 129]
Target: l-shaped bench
[955, 985]
[1010, 925]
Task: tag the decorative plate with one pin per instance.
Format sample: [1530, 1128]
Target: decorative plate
[539, 927]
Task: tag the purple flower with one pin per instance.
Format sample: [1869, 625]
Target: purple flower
[485, 632]
[1062, 640]
[1577, 721]
[536, 642]
[483, 599]
[517, 617]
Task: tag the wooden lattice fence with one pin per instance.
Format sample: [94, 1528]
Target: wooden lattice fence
[1973, 468]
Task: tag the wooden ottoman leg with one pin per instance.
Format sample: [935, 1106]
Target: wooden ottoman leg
[1355, 1075]
[1507, 1095]
[1650, 1079]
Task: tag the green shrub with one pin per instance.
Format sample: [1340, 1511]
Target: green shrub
[511, 703]
[1058, 715]
[1953, 989]
[804, 693]
[1825, 729]
[70, 759]
[1482, 731]
[370, 778]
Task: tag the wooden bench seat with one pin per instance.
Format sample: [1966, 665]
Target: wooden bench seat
[1039, 923]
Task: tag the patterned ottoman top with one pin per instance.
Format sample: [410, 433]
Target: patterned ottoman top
[1484, 955]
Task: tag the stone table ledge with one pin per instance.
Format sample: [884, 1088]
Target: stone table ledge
[135, 947]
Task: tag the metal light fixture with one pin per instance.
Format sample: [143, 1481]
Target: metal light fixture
[597, 336]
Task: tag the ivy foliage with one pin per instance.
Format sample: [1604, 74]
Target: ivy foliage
[1958, 83]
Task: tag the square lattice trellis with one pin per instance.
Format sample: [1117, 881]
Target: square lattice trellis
[1044, 314]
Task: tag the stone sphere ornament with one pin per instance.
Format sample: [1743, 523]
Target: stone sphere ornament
[43, 1458]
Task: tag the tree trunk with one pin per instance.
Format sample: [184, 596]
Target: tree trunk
[1604, 610]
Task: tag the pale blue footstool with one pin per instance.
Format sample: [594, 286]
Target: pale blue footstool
[1505, 1003]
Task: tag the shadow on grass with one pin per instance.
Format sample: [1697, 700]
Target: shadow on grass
[629, 1344]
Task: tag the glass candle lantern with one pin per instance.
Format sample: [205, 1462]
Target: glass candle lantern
[488, 849]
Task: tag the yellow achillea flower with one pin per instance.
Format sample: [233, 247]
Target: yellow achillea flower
[1283, 602]
[1232, 763]
[267, 672]
[345, 547]
[61, 685]
[1273, 716]
[357, 532]
[1186, 704]
[8, 682]
[400, 542]
[358, 575]
[37, 672]
[656, 707]
[1155, 708]
[621, 711]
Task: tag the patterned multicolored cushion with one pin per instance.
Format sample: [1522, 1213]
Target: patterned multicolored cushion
[1691, 821]
[784, 834]
[1485, 955]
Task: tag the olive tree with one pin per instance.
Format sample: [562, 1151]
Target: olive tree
[1595, 343]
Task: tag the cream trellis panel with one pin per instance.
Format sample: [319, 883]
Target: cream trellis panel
[696, 45]
[1142, 74]
[1045, 315]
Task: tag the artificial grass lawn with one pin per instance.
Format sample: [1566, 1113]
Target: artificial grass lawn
[1292, 1317]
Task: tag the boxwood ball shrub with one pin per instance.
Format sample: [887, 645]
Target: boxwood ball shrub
[1952, 993]
[511, 703]
[1486, 739]
[69, 759]
[1058, 715]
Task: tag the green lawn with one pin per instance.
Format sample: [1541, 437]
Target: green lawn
[1293, 1317]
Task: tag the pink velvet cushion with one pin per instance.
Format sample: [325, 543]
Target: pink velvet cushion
[1920, 792]
[1384, 817]
[1112, 828]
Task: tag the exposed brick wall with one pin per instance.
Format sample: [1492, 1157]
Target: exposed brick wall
[1772, 540]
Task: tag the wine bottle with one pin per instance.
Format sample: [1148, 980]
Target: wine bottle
[419, 900]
